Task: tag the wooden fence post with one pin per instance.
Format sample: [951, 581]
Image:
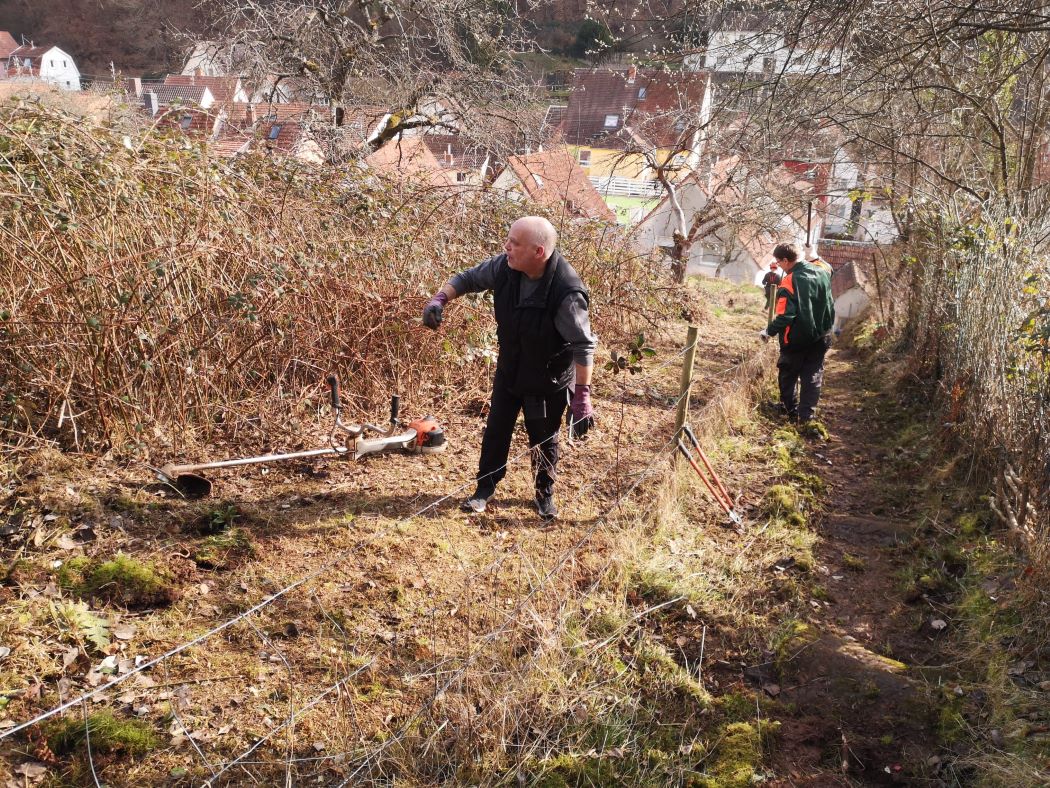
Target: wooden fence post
[687, 378]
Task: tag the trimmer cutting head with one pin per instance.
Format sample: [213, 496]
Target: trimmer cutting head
[191, 485]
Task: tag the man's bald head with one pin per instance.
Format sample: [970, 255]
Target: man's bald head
[539, 231]
[530, 243]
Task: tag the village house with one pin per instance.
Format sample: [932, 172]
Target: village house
[853, 264]
[409, 158]
[553, 179]
[619, 123]
[739, 43]
[738, 218]
[27, 62]
[274, 129]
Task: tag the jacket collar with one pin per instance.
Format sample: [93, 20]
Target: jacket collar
[539, 295]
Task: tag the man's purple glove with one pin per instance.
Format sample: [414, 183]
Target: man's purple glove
[581, 412]
[432, 312]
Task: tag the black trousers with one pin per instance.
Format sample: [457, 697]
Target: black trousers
[804, 366]
[543, 416]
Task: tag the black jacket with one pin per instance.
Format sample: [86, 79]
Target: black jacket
[533, 357]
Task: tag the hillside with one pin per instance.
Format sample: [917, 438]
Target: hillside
[137, 37]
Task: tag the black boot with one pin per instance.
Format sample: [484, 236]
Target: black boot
[545, 507]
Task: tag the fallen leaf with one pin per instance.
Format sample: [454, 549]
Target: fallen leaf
[123, 632]
[938, 624]
[31, 770]
[690, 612]
[4, 651]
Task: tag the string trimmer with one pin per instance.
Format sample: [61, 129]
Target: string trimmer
[422, 436]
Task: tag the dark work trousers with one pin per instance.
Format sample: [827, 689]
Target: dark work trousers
[807, 366]
[542, 421]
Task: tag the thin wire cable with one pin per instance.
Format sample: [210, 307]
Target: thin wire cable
[87, 741]
[666, 450]
[435, 670]
[290, 721]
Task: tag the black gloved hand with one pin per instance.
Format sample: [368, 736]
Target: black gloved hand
[433, 312]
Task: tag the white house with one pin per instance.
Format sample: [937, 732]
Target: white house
[740, 50]
[739, 220]
[46, 63]
[855, 209]
[209, 59]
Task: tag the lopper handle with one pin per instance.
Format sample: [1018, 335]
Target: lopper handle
[395, 406]
[333, 384]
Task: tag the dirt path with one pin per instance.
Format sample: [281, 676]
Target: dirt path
[860, 713]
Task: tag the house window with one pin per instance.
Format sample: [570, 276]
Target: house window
[63, 64]
[611, 121]
[186, 122]
[275, 131]
[679, 125]
[585, 158]
[461, 177]
[52, 64]
[641, 93]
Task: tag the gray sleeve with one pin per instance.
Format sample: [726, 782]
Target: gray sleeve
[573, 322]
[477, 279]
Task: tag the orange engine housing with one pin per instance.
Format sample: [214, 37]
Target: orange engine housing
[430, 438]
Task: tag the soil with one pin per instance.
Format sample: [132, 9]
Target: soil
[853, 683]
[399, 584]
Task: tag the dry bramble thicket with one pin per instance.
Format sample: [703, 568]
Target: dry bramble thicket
[152, 294]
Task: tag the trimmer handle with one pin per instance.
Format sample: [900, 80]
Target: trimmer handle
[395, 406]
[333, 384]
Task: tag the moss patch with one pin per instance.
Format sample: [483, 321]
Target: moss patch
[224, 550]
[738, 755]
[108, 735]
[121, 580]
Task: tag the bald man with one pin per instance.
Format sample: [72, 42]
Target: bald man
[546, 354]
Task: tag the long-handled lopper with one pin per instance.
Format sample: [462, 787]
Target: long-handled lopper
[714, 484]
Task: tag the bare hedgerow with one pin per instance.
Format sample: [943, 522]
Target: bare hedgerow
[153, 292]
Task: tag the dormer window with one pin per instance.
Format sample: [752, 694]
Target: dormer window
[186, 122]
[641, 93]
[611, 121]
[275, 131]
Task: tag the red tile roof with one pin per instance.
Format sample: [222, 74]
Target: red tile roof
[652, 104]
[845, 278]
[192, 120]
[554, 179]
[169, 94]
[7, 44]
[223, 89]
[454, 152]
[409, 156]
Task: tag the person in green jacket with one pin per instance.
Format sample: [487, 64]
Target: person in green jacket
[803, 320]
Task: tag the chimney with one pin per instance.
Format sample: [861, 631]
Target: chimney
[632, 73]
[149, 99]
[133, 85]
